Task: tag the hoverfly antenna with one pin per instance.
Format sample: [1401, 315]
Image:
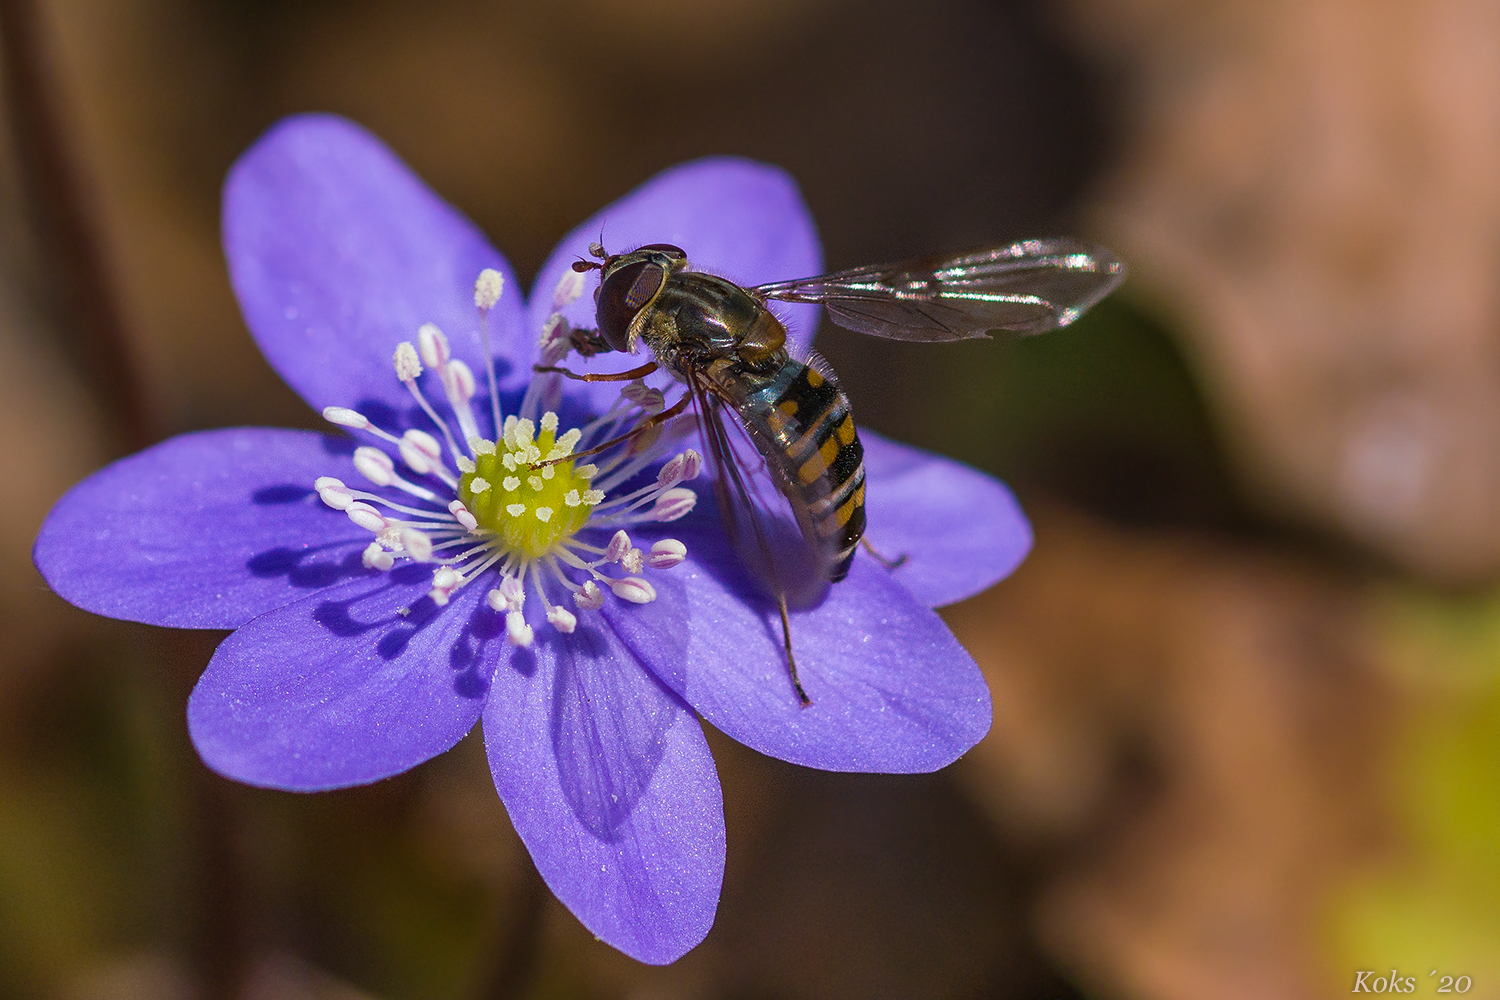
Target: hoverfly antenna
[584, 266]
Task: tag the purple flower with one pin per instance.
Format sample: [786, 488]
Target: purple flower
[587, 619]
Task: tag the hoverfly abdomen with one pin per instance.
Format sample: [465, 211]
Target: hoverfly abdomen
[801, 423]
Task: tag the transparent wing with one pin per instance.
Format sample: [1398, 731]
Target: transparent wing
[762, 527]
[1028, 287]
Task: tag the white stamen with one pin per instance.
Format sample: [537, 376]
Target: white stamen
[418, 544]
[544, 514]
[345, 417]
[562, 619]
[432, 345]
[555, 341]
[633, 589]
[333, 492]
[569, 288]
[478, 485]
[510, 484]
[666, 553]
[365, 516]
[408, 365]
[462, 515]
[589, 597]
[632, 561]
[517, 632]
[683, 466]
[376, 557]
[487, 288]
[618, 546]
[445, 581]
[375, 465]
[673, 503]
[461, 378]
[511, 593]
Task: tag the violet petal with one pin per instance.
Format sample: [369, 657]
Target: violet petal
[359, 682]
[205, 530]
[960, 530]
[338, 252]
[738, 218]
[610, 784]
[892, 690]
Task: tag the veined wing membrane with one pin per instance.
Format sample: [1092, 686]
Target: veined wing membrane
[1028, 287]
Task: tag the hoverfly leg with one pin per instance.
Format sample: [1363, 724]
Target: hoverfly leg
[625, 376]
[588, 342]
[791, 661]
[885, 561]
[640, 428]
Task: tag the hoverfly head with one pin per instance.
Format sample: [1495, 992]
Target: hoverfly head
[629, 283]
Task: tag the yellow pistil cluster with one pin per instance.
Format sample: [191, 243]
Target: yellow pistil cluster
[528, 506]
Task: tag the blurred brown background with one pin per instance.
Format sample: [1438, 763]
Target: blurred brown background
[1247, 687]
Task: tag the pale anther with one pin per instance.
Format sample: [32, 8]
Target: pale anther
[512, 593]
[345, 417]
[562, 619]
[365, 516]
[633, 589]
[333, 492]
[619, 544]
[376, 557]
[458, 381]
[589, 597]
[666, 553]
[408, 365]
[673, 503]
[478, 485]
[633, 561]
[511, 483]
[488, 287]
[375, 465]
[517, 631]
[432, 344]
[418, 544]
[569, 288]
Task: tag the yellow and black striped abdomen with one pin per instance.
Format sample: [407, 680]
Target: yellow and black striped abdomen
[804, 420]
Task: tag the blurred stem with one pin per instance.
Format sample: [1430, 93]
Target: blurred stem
[510, 975]
[81, 296]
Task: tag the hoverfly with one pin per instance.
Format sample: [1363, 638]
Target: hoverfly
[722, 342]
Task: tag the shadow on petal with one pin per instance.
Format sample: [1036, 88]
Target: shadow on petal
[284, 493]
[311, 568]
[608, 739]
[467, 656]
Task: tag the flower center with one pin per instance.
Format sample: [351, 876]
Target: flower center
[512, 512]
[530, 509]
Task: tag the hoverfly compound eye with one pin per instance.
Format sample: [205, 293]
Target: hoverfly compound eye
[623, 294]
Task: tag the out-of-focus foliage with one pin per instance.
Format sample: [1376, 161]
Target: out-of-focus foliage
[1435, 902]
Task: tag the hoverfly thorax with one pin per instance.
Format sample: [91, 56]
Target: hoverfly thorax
[628, 286]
